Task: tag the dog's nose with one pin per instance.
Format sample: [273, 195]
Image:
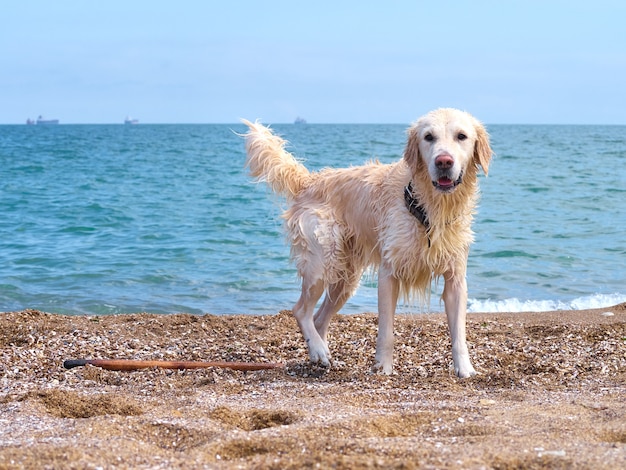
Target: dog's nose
[444, 161]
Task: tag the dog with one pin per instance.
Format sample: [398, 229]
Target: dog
[409, 220]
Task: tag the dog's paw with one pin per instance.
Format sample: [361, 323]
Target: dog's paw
[320, 356]
[465, 372]
[382, 368]
[462, 365]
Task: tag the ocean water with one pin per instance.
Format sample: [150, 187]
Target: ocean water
[163, 218]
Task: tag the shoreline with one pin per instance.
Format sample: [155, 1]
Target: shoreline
[549, 393]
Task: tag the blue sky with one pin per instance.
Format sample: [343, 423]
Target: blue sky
[555, 62]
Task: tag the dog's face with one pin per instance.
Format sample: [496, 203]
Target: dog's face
[447, 143]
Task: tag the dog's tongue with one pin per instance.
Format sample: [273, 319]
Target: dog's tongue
[444, 182]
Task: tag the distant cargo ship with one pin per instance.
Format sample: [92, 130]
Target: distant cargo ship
[130, 120]
[300, 120]
[42, 122]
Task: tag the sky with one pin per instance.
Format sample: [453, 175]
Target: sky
[506, 62]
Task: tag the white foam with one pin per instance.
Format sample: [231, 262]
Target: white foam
[517, 305]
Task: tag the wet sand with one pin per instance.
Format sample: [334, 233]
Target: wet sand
[551, 393]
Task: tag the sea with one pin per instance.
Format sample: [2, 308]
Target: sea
[106, 219]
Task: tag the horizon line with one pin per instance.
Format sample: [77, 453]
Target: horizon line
[139, 124]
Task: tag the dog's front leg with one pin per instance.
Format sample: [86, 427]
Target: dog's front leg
[455, 300]
[387, 299]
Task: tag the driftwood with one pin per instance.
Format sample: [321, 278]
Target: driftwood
[127, 364]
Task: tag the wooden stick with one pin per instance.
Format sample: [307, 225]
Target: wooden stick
[127, 364]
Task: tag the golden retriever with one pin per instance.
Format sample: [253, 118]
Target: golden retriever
[410, 219]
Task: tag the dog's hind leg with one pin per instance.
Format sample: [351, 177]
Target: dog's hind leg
[335, 298]
[303, 311]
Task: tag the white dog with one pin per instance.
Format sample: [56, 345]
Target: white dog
[410, 219]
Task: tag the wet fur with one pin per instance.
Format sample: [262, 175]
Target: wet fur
[342, 221]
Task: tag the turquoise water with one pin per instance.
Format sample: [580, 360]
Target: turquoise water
[163, 218]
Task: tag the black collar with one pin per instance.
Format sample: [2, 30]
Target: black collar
[414, 206]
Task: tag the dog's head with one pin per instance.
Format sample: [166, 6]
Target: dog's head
[447, 143]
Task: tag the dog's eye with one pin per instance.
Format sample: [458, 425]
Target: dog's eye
[461, 136]
[429, 137]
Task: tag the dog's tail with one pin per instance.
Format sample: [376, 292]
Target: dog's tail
[270, 162]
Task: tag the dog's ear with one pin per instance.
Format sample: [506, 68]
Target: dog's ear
[412, 151]
[482, 149]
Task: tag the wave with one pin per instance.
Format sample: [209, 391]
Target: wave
[517, 305]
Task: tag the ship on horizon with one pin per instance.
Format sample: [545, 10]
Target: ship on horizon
[42, 122]
[129, 121]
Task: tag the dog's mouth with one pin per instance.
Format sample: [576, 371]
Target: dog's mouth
[446, 185]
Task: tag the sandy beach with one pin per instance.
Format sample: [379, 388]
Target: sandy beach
[550, 393]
